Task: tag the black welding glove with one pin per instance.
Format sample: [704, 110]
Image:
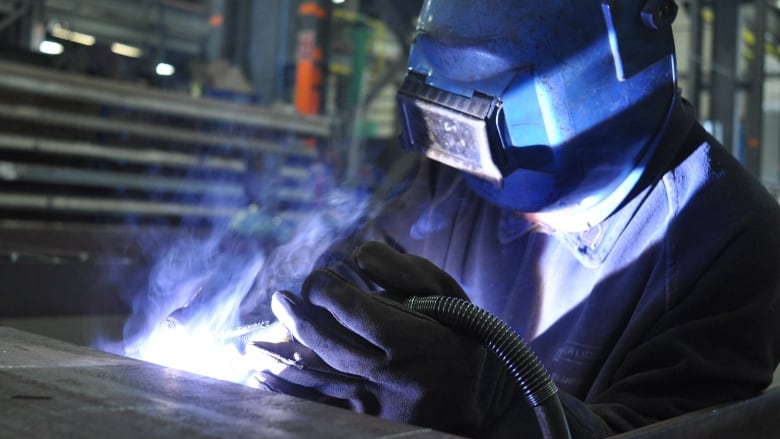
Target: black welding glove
[370, 353]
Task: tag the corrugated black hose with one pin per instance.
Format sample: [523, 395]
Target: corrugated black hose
[529, 373]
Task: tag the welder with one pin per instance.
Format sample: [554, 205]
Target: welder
[568, 190]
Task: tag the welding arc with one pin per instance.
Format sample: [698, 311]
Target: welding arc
[530, 375]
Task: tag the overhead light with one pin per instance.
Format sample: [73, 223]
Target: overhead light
[125, 50]
[76, 37]
[164, 69]
[338, 2]
[50, 47]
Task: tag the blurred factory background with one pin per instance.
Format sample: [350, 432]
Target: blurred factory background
[126, 124]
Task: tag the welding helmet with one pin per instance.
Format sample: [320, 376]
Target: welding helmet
[550, 107]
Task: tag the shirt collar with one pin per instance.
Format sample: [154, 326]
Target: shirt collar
[592, 245]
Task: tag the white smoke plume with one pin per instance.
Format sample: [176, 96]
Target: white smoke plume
[203, 291]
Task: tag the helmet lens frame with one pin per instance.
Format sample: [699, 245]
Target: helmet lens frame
[452, 129]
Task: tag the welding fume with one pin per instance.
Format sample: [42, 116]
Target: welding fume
[575, 256]
[209, 296]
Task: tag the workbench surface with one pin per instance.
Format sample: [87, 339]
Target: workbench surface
[50, 388]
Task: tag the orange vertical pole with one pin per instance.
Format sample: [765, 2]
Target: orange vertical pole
[308, 69]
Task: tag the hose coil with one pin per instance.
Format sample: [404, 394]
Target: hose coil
[496, 336]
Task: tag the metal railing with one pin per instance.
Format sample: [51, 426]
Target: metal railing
[73, 146]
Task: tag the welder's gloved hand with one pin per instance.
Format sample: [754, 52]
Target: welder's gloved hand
[380, 358]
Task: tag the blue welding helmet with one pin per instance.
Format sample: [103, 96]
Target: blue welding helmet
[552, 108]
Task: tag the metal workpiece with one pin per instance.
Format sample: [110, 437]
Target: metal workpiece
[50, 388]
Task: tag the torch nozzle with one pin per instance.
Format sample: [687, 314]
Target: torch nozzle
[246, 333]
[180, 320]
